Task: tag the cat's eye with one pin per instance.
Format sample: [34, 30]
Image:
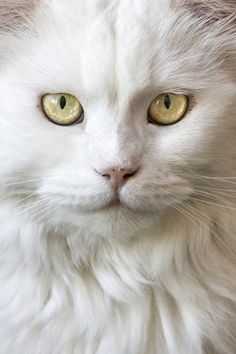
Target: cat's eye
[167, 108]
[62, 108]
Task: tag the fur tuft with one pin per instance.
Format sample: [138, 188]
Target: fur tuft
[14, 14]
[214, 9]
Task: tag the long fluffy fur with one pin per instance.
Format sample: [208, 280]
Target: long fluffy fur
[159, 275]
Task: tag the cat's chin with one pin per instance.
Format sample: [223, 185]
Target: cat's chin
[113, 221]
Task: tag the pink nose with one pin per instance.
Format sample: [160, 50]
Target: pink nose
[118, 176]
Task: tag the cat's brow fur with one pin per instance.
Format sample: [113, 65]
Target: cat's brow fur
[80, 273]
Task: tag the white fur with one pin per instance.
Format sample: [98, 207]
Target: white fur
[157, 274]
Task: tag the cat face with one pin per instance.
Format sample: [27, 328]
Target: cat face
[115, 57]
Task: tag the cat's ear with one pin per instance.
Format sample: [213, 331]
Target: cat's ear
[14, 13]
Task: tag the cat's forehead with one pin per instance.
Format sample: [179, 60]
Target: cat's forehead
[125, 47]
[111, 43]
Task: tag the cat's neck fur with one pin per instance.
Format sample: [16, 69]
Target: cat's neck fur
[153, 284]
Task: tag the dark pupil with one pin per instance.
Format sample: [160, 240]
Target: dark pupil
[63, 102]
[167, 101]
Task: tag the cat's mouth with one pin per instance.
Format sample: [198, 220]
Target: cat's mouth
[115, 202]
[118, 202]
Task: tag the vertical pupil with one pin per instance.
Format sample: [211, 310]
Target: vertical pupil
[167, 101]
[63, 102]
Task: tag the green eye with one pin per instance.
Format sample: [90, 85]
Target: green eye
[168, 108]
[62, 108]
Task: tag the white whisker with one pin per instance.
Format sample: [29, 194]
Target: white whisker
[43, 216]
[31, 206]
[211, 203]
[180, 210]
[209, 229]
[209, 218]
[22, 182]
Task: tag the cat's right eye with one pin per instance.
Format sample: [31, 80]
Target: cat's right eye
[62, 108]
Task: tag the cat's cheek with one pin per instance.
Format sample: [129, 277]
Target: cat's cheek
[157, 194]
[80, 192]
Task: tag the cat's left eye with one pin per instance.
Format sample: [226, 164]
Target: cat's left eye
[168, 108]
[62, 108]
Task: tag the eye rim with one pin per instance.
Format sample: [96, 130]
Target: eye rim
[48, 117]
[155, 122]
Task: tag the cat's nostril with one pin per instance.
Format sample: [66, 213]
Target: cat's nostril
[118, 176]
[128, 175]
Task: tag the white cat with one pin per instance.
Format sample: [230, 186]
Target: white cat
[117, 223]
